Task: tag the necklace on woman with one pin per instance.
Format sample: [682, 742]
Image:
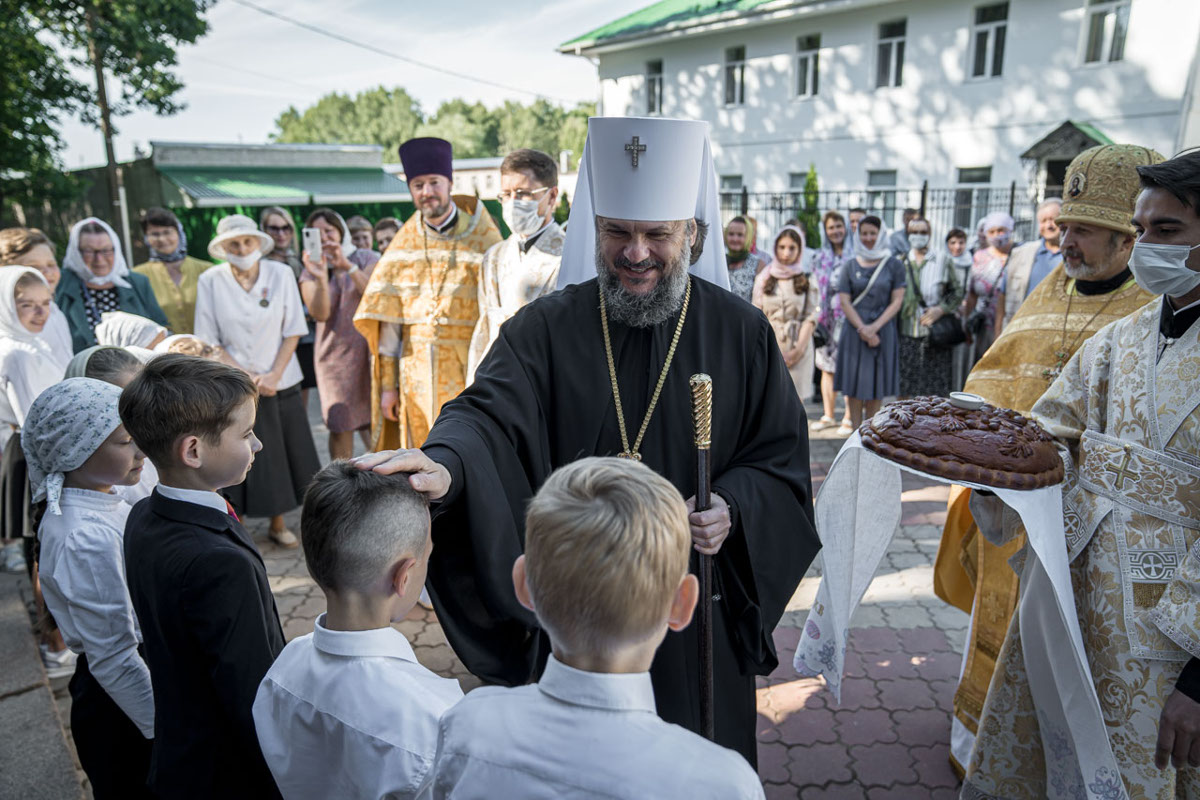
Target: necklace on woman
[1064, 353]
[627, 451]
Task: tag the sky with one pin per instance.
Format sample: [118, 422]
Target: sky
[250, 67]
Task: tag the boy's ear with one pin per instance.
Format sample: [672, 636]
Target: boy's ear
[401, 571]
[188, 450]
[684, 604]
[521, 585]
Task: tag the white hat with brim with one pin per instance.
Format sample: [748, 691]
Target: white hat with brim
[233, 227]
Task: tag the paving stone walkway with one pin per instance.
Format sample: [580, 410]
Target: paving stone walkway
[889, 737]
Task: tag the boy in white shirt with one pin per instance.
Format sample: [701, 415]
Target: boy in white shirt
[606, 571]
[347, 711]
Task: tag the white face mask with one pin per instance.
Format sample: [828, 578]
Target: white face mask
[963, 259]
[918, 241]
[522, 217]
[246, 262]
[1162, 268]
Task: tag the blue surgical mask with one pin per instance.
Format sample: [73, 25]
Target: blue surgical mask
[1000, 240]
[1162, 268]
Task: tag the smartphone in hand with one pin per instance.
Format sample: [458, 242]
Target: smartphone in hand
[312, 245]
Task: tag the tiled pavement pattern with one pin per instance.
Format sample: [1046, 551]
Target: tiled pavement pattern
[889, 737]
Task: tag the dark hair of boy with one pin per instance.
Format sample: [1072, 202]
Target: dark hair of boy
[858, 210]
[177, 395]
[535, 162]
[159, 218]
[873, 220]
[1179, 175]
[956, 233]
[111, 364]
[356, 522]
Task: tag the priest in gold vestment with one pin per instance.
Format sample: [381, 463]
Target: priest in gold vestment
[1126, 414]
[1091, 288]
[421, 305]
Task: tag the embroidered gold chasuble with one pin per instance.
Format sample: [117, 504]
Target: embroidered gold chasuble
[972, 573]
[1129, 432]
[427, 283]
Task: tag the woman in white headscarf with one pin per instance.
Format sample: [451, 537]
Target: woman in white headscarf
[331, 290]
[95, 279]
[250, 306]
[78, 453]
[121, 329]
[788, 296]
[983, 285]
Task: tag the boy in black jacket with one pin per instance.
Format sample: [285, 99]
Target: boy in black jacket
[197, 581]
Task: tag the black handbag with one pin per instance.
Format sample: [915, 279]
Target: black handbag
[947, 331]
[820, 336]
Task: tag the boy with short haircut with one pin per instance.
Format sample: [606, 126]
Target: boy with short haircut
[605, 569]
[209, 623]
[386, 230]
[347, 711]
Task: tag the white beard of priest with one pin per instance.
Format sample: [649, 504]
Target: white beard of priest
[602, 368]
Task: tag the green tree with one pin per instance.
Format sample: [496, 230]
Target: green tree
[810, 213]
[380, 116]
[573, 132]
[137, 40]
[535, 126]
[37, 91]
[471, 128]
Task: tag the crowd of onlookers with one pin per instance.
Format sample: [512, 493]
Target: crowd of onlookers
[873, 313]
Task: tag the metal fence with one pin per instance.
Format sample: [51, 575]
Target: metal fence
[945, 208]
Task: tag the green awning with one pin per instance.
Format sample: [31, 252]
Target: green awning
[283, 186]
[657, 17]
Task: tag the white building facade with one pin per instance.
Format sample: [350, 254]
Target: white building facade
[895, 93]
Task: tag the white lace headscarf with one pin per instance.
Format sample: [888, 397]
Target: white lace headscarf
[123, 329]
[73, 261]
[65, 425]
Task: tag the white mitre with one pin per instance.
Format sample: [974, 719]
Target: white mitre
[645, 169]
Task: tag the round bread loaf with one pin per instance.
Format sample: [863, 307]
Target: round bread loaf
[988, 445]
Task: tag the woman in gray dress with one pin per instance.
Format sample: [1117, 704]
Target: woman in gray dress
[871, 291]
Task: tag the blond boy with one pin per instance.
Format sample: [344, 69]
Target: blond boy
[347, 711]
[605, 570]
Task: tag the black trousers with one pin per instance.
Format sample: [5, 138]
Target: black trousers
[113, 752]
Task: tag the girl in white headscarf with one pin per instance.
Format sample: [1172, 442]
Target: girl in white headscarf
[78, 451]
[29, 362]
[96, 279]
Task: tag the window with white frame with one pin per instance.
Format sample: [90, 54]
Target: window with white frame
[972, 198]
[881, 193]
[654, 87]
[987, 41]
[889, 54]
[735, 76]
[807, 64]
[1105, 24]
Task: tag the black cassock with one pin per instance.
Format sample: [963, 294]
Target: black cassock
[543, 398]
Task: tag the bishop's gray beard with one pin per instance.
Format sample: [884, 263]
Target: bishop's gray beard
[652, 308]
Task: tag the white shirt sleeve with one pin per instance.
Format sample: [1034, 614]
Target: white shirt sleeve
[206, 326]
[92, 576]
[389, 339]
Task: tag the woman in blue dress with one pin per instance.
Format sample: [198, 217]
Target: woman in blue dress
[871, 290]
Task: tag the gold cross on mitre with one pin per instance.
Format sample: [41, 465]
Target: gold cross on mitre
[635, 147]
[1123, 472]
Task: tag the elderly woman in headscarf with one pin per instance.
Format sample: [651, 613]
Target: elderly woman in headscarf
[96, 279]
[789, 299]
[331, 290]
[744, 264]
[78, 453]
[120, 329]
[250, 306]
[172, 272]
[983, 284]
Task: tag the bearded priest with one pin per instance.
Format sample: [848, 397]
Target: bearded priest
[1091, 288]
[602, 368]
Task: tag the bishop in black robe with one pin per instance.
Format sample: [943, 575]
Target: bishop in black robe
[543, 398]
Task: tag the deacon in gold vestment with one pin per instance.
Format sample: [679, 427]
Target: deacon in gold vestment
[421, 305]
[1126, 413]
[1090, 289]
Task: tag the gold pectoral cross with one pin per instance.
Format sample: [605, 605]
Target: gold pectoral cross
[1121, 473]
[630, 456]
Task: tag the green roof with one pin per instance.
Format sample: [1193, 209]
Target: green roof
[660, 15]
[1092, 131]
[264, 186]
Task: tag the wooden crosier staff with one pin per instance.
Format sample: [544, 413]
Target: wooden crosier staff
[701, 386]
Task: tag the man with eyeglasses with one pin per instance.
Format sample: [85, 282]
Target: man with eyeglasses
[524, 266]
[421, 305]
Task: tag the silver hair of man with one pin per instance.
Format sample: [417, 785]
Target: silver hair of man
[661, 302]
